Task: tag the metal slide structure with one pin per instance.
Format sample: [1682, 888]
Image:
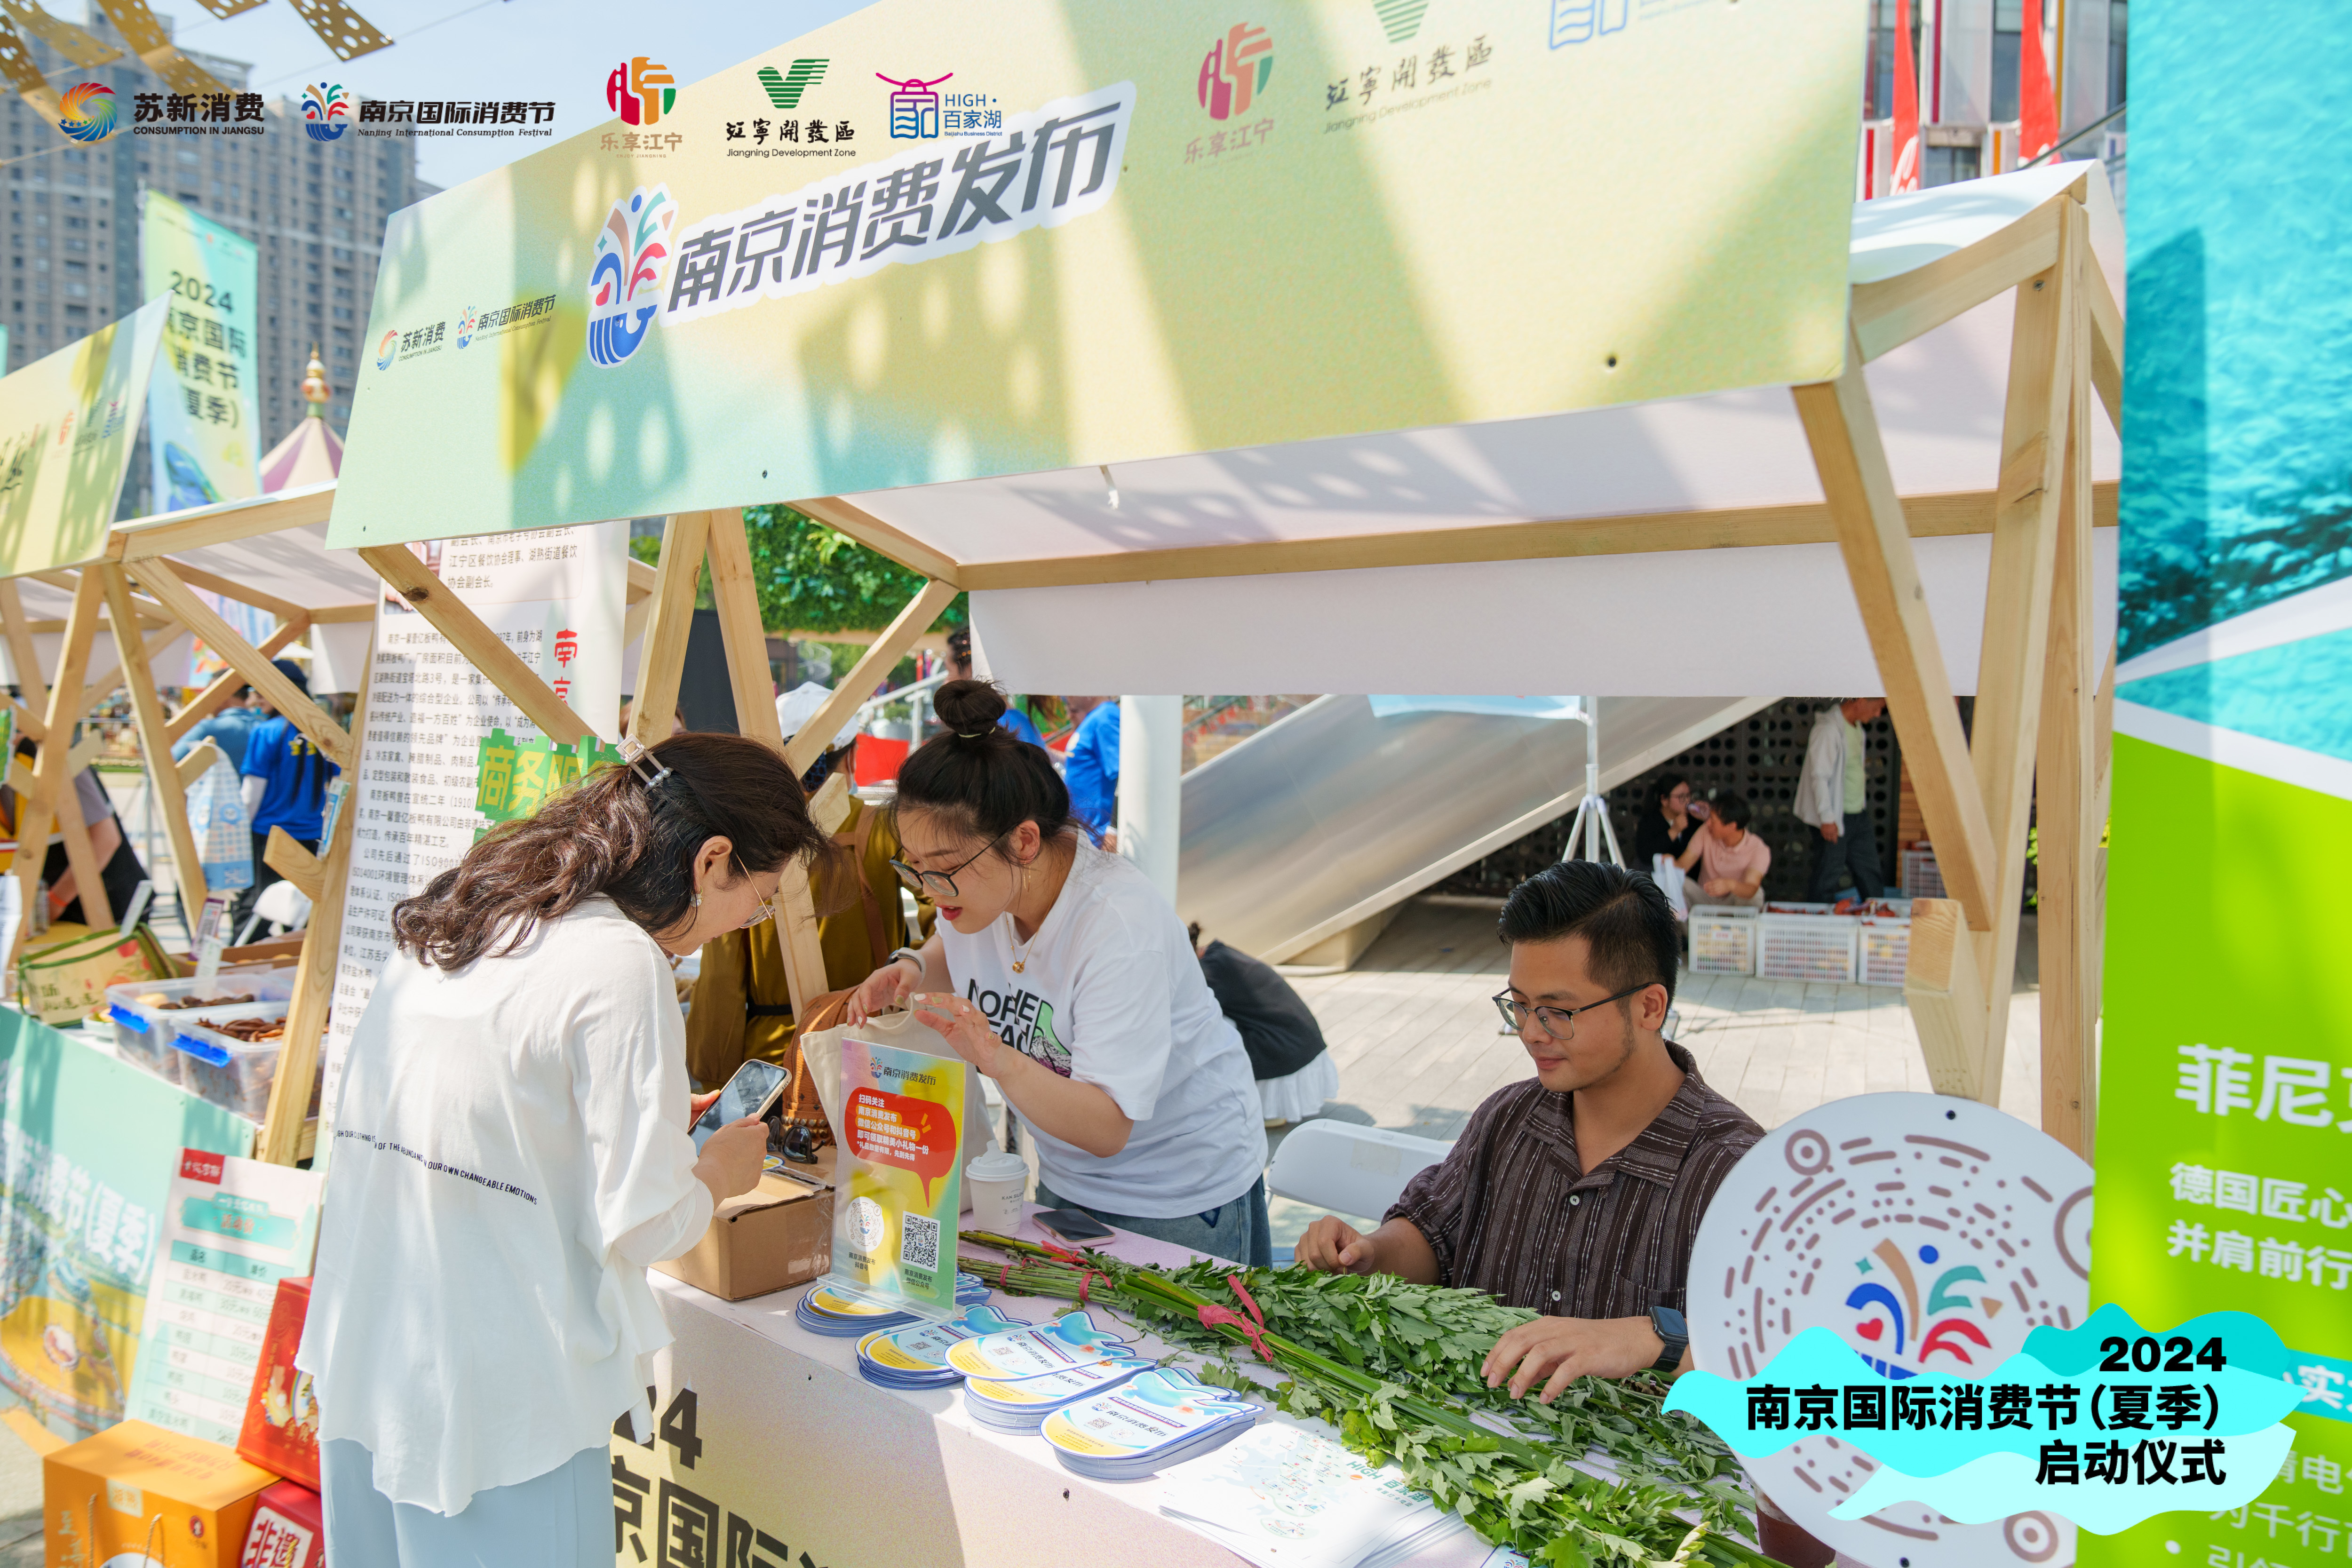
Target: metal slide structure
[1331, 816]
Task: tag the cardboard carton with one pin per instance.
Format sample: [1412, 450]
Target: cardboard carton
[778, 1234]
[288, 1530]
[138, 1489]
[282, 1414]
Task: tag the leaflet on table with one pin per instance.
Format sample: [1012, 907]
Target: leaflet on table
[899, 1185]
[234, 1229]
[922, 1352]
[554, 598]
[1156, 1418]
[1072, 1339]
[1288, 1494]
[1021, 1404]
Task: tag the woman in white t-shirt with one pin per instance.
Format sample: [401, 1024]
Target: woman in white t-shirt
[1060, 972]
[510, 1152]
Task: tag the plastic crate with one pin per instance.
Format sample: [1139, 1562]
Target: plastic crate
[1806, 946]
[1920, 878]
[1886, 948]
[143, 1033]
[1722, 940]
[234, 1073]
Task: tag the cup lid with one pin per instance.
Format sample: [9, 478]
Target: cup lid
[997, 1165]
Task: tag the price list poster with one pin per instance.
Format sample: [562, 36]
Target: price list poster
[554, 596]
[233, 1229]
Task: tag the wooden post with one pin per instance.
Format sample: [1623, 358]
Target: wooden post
[450, 615]
[21, 651]
[332, 739]
[281, 1139]
[2066, 803]
[51, 766]
[208, 702]
[661, 660]
[876, 663]
[162, 777]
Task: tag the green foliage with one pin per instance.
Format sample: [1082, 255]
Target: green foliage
[816, 578]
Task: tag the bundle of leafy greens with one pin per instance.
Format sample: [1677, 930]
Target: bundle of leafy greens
[1395, 1366]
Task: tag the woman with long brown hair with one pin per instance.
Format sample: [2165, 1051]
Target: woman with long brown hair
[510, 1152]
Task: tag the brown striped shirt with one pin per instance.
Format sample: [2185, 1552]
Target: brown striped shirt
[1513, 1212]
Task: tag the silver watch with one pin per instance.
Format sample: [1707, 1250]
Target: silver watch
[914, 952]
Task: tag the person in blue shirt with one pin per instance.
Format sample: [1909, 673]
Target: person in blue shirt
[228, 729]
[1091, 771]
[285, 781]
[960, 668]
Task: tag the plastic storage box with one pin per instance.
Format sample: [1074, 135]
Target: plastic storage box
[1921, 879]
[1886, 948]
[1723, 940]
[232, 1073]
[143, 1033]
[1794, 943]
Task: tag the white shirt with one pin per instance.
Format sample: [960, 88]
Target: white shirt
[509, 1152]
[1111, 994]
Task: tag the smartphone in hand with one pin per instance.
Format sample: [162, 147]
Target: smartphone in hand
[752, 1091]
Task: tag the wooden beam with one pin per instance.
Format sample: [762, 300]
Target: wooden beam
[21, 651]
[287, 1130]
[171, 533]
[1843, 429]
[284, 854]
[661, 661]
[2067, 831]
[633, 623]
[2106, 342]
[1891, 312]
[809, 743]
[453, 618]
[332, 739]
[168, 781]
[52, 775]
[225, 684]
[642, 579]
[863, 526]
[2043, 366]
[1942, 515]
[196, 764]
[737, 598]
[229, 588]
[28, 723]
[1947, 996]
[150, 650]
[342, 616]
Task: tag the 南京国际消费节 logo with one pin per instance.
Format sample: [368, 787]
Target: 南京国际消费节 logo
[467, 324]
[326, 110]
[624, 281]
[915, 107]
[640, 91]
[1235, 71]
[385, 350]
[88, 112]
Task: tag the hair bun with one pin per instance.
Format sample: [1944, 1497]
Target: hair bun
[969, 706]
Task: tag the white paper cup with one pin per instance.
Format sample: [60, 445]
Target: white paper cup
[996, 1182]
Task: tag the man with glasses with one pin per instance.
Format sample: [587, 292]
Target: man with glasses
[1577, 1192]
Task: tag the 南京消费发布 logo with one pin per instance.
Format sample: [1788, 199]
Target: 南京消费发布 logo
[385, 350]
[640, 91]
[624, 279]
[784, 88]
[88, 112]
[915, 107]
[1235, 71]
[326, 110]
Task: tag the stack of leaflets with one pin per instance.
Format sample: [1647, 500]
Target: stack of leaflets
[1020, 1405]
[1290, 1495]
[1151, 1421]
[1070, 1340]
[840, 1313]
[917, 1357]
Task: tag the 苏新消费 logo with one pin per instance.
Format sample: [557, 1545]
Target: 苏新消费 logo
[467, 324]
[640, 91]
[1235, 71]
[624, 279]
[326, 110]
[915, 107]
[385, 350]
[88, 112]
[784, 88]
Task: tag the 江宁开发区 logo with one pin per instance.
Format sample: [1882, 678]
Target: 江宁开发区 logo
[624, 281]
[915, 107]
[640, 91]
[467, 324]
[386, 349]
[326, 110]
[1235, 71]
[784, 88]
[88, 112]
[1400, 19]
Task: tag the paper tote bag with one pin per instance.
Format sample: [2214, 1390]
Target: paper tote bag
[821, 1060]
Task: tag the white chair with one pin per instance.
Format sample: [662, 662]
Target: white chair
[283, 905]
[1351, 1169]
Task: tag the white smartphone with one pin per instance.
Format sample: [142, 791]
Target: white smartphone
[752, 1091]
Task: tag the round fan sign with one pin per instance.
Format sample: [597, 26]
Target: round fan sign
[1932, 1235]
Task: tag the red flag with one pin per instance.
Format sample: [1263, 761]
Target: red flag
[2037, 103]
[1905, 129]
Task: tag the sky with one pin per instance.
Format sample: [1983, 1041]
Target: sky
[539, 50]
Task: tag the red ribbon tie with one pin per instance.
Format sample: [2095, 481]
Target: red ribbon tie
[1214, 1317]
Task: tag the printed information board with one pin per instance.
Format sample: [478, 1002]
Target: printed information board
[899, 1185]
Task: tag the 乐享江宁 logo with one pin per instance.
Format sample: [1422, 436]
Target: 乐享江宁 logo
[640, 91]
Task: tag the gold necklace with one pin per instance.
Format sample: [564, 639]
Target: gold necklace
[1021, 951]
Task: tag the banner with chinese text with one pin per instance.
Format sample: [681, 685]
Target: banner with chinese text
[204, 409]
[932, 242]
[2225, 1087]
[68, 422]
[554, 596]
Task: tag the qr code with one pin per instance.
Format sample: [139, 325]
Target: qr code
[919, 1242]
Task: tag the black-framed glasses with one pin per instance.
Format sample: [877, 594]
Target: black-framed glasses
[938, 881]
[1560, 1023]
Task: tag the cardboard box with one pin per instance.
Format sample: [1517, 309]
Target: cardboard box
[138, 1489]
[281, 1413]
[288, 1530]
[778, 1234]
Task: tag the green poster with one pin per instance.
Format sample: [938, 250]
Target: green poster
[68, 422]
[88, 1148]
[204, 413]
[515, 776]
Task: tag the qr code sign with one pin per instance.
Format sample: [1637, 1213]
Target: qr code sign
[919, 1242]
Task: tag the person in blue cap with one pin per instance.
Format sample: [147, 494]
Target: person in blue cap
[286, 780]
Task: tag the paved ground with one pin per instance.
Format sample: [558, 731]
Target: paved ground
[20, 1502]
[1419, 1046]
